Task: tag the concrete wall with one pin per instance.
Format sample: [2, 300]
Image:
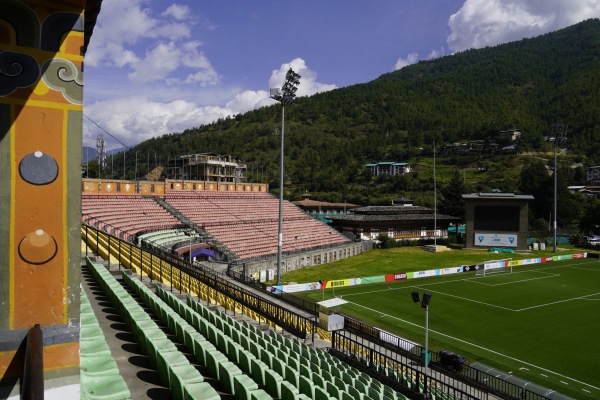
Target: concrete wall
[148, 188]
[308, 259]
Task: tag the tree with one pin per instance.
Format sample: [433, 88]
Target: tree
[452, 202]
[534, 180]
[590, 222]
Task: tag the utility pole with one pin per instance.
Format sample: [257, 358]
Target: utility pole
[559, 132]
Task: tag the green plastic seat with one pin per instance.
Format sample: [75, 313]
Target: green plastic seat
[340, 384]
[167, 360]
[200, 391]
[259, 369]
[154, 341]
[244, 361]
[213, 362]
[227, 371]
[260, 395]
[306, 387]
[180, 376]
[278, 366]
[233, 351]
[266, 357]
[305, 372]
[91, 332]
[97, 347]
[201, 348]
[273, 383]
[333, 390]
[291, 375]
[98, 365]
[289, 391]
[321, 394]
[103, 388]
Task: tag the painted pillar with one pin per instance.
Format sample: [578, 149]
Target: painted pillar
[40, 192]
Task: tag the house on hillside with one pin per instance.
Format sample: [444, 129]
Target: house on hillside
[512, 134]
[593, 175]
[388, 168]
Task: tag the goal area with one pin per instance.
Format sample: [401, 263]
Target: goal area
[495, 267]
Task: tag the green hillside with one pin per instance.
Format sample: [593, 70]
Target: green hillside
[527, 85]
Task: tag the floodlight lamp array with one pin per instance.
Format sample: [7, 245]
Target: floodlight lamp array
[287, 93]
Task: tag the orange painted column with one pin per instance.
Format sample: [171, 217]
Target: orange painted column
[41, 93]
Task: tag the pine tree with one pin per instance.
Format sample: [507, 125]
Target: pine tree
[452, 202]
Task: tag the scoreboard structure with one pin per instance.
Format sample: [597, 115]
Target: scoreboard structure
[496, 220]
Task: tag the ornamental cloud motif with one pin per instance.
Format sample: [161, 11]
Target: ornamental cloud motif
[63, 75]
[17, 70]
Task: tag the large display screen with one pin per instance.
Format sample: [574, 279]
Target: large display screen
[497, 218]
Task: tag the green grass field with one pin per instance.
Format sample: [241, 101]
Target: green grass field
[541, 323]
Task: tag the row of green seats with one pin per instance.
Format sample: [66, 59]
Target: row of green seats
[276, 366]
[221, 357]
[99, 373]
[184, 381]
[340, 374]
[173, 367]
[217, 364]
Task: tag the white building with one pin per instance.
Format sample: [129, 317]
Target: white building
[389, 168]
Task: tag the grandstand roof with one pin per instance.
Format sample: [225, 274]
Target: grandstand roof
[323, 204]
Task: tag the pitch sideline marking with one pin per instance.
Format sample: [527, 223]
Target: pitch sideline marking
[513, 282]
[481, 347]
[465, 299]
[559, 301]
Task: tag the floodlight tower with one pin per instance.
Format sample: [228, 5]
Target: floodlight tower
[560, 136]
[424, 304]
[285, 96]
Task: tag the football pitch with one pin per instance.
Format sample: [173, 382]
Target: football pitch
[541, 322]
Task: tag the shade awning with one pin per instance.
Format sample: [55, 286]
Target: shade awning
[203, 252]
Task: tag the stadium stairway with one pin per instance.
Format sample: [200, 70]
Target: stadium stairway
[188, 222]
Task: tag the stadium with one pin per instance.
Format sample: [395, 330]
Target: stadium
[118, 289]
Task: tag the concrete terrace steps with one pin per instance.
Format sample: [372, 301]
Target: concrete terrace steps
[435, 248]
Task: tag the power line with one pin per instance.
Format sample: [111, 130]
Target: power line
[107, 132]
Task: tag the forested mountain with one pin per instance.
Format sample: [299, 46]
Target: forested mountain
[527, 85]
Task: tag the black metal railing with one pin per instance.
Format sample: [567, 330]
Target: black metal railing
[295, 301]
[288, 320]
[397, 371]
[464, 373]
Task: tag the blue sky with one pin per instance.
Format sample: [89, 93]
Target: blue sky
[156, 66]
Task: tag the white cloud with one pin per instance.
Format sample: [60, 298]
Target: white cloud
[164, 59]
[128, 36]
[120, 23]
[409, 60]
[481, 23]
[134, 119]
[158, 63]
[178, 11]
[436, 53]
[308, 81]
